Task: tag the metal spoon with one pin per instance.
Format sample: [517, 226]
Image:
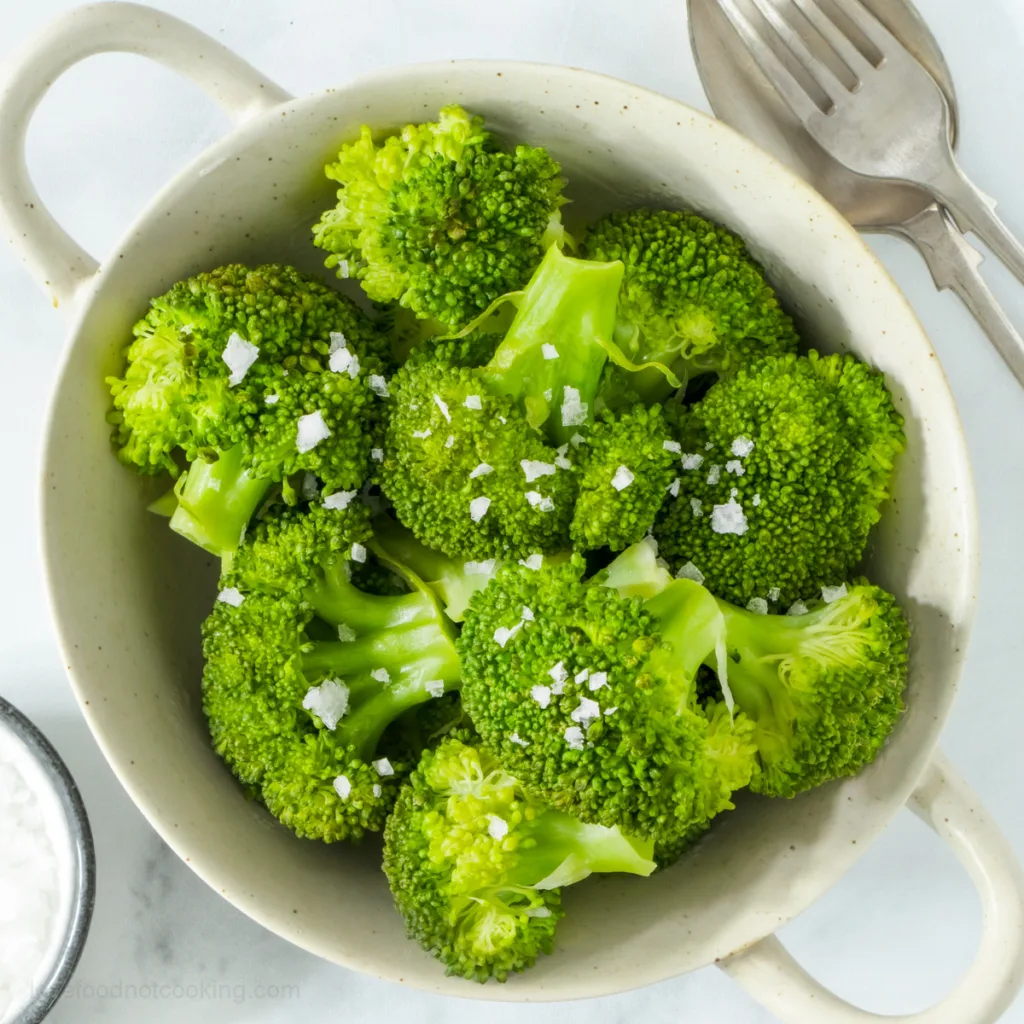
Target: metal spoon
[741, 96]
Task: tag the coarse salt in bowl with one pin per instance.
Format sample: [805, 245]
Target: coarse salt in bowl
[46, 871]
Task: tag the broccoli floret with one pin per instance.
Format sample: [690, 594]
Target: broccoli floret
[785, 465]
[440, 218]
[693, 298]
[476, 865]
[824, 689]
[627, 471]
[239, 425]
[470, 458]
[299, 716]
[586, 691]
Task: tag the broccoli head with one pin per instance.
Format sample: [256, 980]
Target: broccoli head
[824, 688]
[693, 299]
[305, 672]
[475, 458]
[586, 690]
[627, 469]
[785, 465]
[244, 373]
[441, 218]
[476, 865]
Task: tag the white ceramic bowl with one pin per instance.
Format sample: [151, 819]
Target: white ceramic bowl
[128, 595]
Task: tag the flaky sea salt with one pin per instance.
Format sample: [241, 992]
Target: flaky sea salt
[478, 508]
[503, 634]
[36, 878]
[672, 446]
[443, 406]
[830, 594]
[312, 429]
[757, 605]
[623, 478]
[541, 694]
[435, 687]
[534, 562]
[232, 596]
[690, 572]
[549, 351]
[473, 402]
[482, 470]
[574, 737]
[239, 355]
[741, 447]
[586, 711]
[328, 701]
[497, 828]
[339, 499]
[729, 518]
[379, 386]
[693, 460]
[574, 411]
[541, 501]
[534, 469]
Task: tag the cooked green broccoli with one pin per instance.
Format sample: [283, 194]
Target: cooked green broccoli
[300, 716]
[222, 371]
[785, 464]
[440, 218]
[693, 298]
[476, 865]
[586, 691]
[454, 581]
[470, 459]
[824, 688]
[628, 465]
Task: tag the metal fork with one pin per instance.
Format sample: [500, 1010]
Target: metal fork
[888, 119]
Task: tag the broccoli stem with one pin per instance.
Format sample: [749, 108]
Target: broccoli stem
[690, 620]
[557, 849]
[216, 501]
[337, 601]
[758, 643]
[447, 577]
[571, 305]
[412, 657]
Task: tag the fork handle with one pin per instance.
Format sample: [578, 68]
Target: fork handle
[974, 211]
[954, 263]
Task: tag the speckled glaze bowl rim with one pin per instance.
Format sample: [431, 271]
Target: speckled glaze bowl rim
[83, 896]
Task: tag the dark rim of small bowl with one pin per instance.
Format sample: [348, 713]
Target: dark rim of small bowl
[83, 896]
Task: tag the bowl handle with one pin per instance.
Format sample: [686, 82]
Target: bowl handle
[52, 257]
[945, 802]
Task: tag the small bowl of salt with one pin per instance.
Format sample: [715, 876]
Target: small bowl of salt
[47, 871]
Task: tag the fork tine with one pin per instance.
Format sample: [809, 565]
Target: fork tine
[774, 70]
[792, 39]
[836, 38]
[876, 32]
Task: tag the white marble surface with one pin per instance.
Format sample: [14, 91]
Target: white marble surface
[894, 934]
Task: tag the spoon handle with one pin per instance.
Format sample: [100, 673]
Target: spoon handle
[973, 211]
[954, 263]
